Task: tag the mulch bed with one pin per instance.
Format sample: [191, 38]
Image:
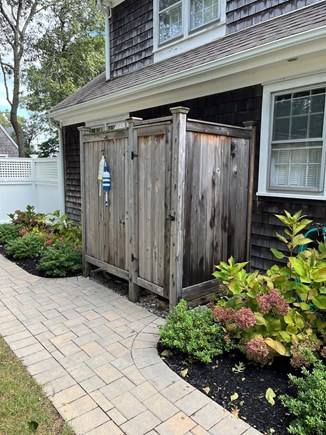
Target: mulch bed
[221, 380]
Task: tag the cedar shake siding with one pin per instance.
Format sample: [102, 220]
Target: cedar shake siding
[7, 145]
[265, 225]
[71, 156]
[245, 13]
[131, 36]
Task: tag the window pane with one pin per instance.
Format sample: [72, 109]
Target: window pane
[281, 129]
[166, 3]
[299, 127]
[318, 103]
[316, 125]
[300, 106]
[202, 12]
[296, 166]
[282, 108]
[171, 23]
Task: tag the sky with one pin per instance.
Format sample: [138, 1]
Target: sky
[4, 105]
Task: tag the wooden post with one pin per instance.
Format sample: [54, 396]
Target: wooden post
[132, 212]
[250, 125]
[179, 126]
[86, 265]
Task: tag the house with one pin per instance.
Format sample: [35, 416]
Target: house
[8, 147]
[229, 61]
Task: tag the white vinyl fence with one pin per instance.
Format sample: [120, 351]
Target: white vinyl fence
[25, 181]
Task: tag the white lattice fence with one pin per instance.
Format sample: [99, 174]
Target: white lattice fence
[29, 181]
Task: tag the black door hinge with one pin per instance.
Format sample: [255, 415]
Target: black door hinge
[133, 155]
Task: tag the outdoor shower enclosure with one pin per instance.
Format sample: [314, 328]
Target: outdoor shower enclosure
[180, 202]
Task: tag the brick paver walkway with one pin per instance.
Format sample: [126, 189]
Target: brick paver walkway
[94, 353]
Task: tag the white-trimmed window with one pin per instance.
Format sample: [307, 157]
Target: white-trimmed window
[177, 21]
[293, 141]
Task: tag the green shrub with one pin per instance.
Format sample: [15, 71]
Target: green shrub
[309, 406]
[60, 259]
[194, 332]
[8, 232]
[26, 247]
[65, 229]
[282, 310]
[28, 219]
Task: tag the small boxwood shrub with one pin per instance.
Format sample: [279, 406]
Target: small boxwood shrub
[60, 259]
[194, 332]
[8, 232]
[309, 406]
[26, 247]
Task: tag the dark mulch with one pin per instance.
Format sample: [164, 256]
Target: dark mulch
[250, 384]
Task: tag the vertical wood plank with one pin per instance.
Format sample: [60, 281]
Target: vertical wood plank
[86, 266]
[179, 121]
[251, 125]
[133, 253]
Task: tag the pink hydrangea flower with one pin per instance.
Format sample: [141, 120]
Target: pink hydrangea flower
[245, 318]
[257, 350]
[222, 314]
[274, 301]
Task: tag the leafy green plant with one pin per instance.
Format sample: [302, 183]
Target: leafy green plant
[309, 405]
[271, 314]
[64, 228]
[194, 332]
[28, 219]
[60, 259]
[8, 232]
[28, 246]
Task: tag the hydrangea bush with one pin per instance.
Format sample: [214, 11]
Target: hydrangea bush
[281, 312]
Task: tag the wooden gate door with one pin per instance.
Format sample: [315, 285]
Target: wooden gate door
[153, 206]
[105, 229]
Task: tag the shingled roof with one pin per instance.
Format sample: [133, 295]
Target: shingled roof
[302, 20]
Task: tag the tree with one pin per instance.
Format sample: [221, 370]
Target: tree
[18, 22]
[53, 46]
[71, 53]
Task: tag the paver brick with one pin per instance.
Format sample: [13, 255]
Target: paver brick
[209, 415]
[89, 421]
[192, 402]
[57, 385]
[108, 373]
[116, 416]
[160, 406]
[92, 349]
[116, 388]
[134, 375]
[101, 400]
[128, 405]
[143, 391]
[92, 384]
[179, 424]
[109, 428]
[67, 395]
[141, 424]
[29, 350]
[82, 405]
[19, 344]
[229, 424]
[177, 390]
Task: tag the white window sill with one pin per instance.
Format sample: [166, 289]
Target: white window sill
[294, 195]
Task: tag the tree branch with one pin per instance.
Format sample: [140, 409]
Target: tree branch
[5, 81]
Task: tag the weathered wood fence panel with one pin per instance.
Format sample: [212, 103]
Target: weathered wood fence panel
[105, 235]
[178, 203]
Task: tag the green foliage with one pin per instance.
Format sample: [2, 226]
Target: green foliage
[284, 301]
[309, 405]
[60, 259]
[28, 219]
[194, 332]
[8, 232]
[64, 228]
[28, 246]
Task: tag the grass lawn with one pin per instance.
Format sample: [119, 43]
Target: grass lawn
[24, 408]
